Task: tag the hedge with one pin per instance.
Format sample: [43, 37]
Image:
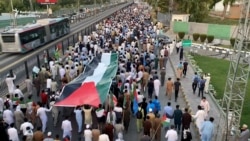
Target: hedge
[181, 35]
[196, 36]
[232, 41]
[203, 37]
[210, 38]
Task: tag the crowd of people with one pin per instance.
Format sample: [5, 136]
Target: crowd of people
[143, 56]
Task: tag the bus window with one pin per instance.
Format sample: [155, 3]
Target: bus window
[53, 28]
[29, 36]
[8, 39]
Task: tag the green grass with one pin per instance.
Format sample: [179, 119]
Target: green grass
[214, 20]
[218, 68]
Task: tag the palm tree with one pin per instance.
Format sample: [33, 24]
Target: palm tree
[226, 4]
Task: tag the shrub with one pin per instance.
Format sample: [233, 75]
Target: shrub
[232, 41]
[196, 36]
[210, 38]
[203, 37]
[181, 35]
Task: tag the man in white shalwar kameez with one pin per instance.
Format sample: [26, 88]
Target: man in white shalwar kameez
[9, 81]
[67, 128]
[205, 105]
[8, 116]
[207, 78]
[78, 116]
[41, 112]
[157, 85]
[199, 117]
[29, 85]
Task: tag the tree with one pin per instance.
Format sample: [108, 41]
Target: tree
[2, 7]
[198, 9]
[226, 4]
[163, 6]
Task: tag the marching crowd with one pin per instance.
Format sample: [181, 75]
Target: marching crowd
[143, 56]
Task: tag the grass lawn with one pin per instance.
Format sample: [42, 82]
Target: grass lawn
[218, 68]
[214, 20]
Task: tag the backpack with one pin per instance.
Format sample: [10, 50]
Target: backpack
[118, 115]
[196, 80]
[202, 85]
[7, 104]
[139, 114]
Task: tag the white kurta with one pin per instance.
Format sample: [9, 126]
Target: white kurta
[29, 86]
[67, 128]
[10, 84]
[8, 116]
[13, 135]
[87, 135]
[207, 83]
[157, 85]
[200, 117]
[41, 112]
[103, 137]
[205, 105]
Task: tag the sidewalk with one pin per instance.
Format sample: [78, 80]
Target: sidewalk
[192, 99]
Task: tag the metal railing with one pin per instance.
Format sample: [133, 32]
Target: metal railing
[23, 68]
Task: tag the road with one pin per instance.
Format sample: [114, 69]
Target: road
[74, 27]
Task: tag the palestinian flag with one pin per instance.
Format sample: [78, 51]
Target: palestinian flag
[165, 121]
[92, 86]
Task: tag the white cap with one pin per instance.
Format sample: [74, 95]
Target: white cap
[87, 126]
[49, 134]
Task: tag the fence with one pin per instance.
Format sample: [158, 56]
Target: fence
[24, 66]
[224, 32]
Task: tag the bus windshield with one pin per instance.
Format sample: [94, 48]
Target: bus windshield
[8, 38]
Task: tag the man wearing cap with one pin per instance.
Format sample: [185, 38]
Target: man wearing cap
[49, 138]
[67, 127]
[87, 133]
[245, 134]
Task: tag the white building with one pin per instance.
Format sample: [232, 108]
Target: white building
[180, 17]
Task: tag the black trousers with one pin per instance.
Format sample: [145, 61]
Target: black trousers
[194, 86]
[176, 92]
[201, 92]
[184, 71]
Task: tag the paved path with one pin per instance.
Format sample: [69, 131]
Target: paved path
[192, 99]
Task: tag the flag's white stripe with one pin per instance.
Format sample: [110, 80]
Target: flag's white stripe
[106, 58]
[97, 75]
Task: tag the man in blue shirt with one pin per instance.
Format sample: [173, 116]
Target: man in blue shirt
[169, 111]
[157, 104]
[207, 130]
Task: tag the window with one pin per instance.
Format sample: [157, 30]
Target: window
[31, 35]
[8, 39]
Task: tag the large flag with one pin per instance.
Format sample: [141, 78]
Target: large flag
[92, 86]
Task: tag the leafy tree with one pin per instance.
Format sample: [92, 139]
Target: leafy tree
[198, 9]
[163, 6]
[2, 7]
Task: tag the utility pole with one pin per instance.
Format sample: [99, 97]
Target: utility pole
[237, 79]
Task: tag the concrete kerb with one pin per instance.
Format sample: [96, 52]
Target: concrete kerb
[209, 94]
[183, 93]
